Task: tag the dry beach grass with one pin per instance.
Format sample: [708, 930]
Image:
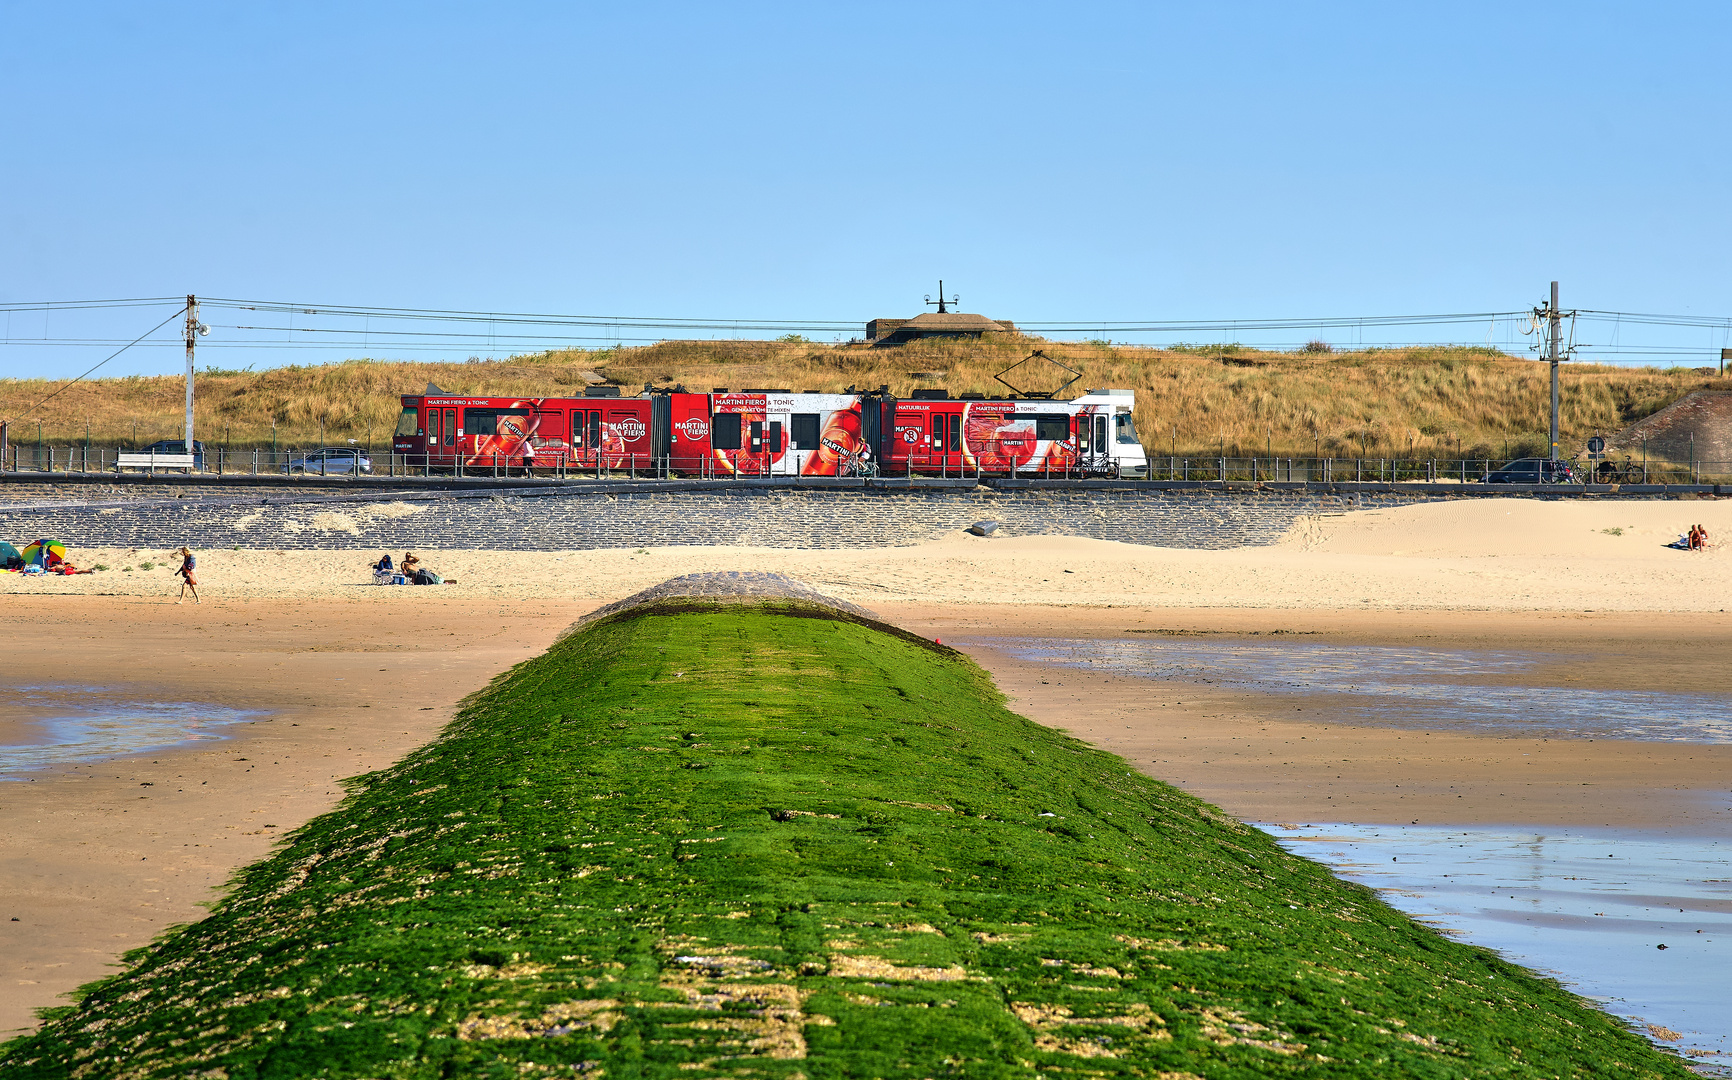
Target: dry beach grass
[1199, 401]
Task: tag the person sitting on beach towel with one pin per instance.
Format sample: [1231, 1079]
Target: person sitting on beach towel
[410, 562]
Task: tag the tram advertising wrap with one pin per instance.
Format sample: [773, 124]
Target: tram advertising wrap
[776, 433]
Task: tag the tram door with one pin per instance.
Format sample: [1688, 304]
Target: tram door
[433, 433]
[945, 442]
[1097, 449]
[585, 435]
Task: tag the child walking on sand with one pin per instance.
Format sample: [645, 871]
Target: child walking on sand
[188, 563]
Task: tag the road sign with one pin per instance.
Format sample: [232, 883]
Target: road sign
[1596, 444]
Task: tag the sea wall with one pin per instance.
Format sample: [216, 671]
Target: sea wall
[558, 521]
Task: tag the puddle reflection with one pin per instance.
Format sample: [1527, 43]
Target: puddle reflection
[1400, 687]
[1589, 906]
[44, 726]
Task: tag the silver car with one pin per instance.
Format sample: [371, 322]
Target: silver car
[331, 461]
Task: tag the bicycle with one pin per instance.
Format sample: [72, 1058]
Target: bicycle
[1612, 472]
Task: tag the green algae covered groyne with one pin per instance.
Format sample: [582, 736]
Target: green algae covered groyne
[777, 840]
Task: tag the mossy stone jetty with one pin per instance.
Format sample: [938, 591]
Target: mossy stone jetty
[774, 838]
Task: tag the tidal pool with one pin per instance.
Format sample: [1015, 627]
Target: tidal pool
[1388, 686]
[1590, 907]
[46, 726]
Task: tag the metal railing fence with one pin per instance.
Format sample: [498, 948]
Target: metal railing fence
[259, 461]
[1605, 472]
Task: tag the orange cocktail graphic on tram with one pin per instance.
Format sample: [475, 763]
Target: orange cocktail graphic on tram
[997, 440]
[841, 451]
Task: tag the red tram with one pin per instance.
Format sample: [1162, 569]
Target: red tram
[774, 433]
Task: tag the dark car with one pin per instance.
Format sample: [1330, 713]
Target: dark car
[1533, 470]
[331, 461]
[178, 446]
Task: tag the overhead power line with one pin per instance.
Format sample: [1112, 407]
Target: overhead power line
[109, 357]
[533, 319]
[373, 329]
[76, 305]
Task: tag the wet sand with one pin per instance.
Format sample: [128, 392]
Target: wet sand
[1263, 758]
[101, 858]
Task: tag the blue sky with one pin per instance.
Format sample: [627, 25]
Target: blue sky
[1053, 163]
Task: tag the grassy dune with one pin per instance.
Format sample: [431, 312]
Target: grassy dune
[1197, 401]
[765, 843]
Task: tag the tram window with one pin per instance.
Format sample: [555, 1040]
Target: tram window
[433, 426]
[955, 434]
[486, 421]
[803, 429]
[407, 421]
[595, 429]
[577, 430]
[757, 436]
[1100, 434]
[1125, 430]
[725, 431]
[1053, 427]
[450, 427]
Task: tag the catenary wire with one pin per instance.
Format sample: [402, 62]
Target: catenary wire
[110, 356]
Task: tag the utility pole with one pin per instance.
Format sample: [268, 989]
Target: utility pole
[192, 329]
[1554, 352]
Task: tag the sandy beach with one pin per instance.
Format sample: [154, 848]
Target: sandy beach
[1471, 555]
[102, 857]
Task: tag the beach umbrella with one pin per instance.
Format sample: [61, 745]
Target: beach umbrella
[47, 552]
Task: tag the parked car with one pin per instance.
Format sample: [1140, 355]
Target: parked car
[1533, 470]
[178, 446]
[330, 461]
